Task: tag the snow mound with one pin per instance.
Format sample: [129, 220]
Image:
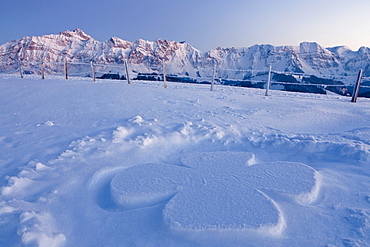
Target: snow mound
[38, 229]
[217, 191]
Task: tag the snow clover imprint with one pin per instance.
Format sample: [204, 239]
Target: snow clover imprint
[219, 190]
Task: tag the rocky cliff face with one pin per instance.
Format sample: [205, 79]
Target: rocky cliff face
[182, 58]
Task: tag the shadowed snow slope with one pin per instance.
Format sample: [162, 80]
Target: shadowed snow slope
[112, 164]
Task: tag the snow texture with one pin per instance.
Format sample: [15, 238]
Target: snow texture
[216, 191]
[112, 164]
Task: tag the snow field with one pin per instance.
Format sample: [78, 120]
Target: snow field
[110, 164]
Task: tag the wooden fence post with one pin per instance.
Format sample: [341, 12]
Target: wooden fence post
[20, 67]
[213, 77]
[127, 75]
[92, 71]
[356, 89]
[42, 69]
[268, 81]
[164, 74]
[66, 68]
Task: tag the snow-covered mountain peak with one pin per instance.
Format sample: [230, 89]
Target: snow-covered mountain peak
[364, 51]
[311, 48]
[340, 50]
[77, 33]
[120, 43]
[77, 46]
[344, 53]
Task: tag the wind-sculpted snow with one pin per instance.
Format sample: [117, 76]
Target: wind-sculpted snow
[216, 191]
[111, 164]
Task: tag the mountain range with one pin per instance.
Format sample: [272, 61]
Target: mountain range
[182, 59]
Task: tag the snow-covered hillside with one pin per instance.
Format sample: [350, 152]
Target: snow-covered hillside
[112, 164]
[182, 58]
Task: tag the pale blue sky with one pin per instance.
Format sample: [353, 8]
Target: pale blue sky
[204, 24]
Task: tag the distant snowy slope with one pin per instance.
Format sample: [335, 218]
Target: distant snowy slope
[77, 46]
[112, 164]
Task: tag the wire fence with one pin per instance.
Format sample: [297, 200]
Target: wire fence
[276, 80]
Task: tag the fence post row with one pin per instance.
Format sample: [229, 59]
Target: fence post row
[66, 69]
[268, 81]
[127, 75]
[93, 75]
[20, 67]
[164, 74]
[356, 89]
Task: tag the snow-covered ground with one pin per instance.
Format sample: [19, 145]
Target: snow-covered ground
[112, 164]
